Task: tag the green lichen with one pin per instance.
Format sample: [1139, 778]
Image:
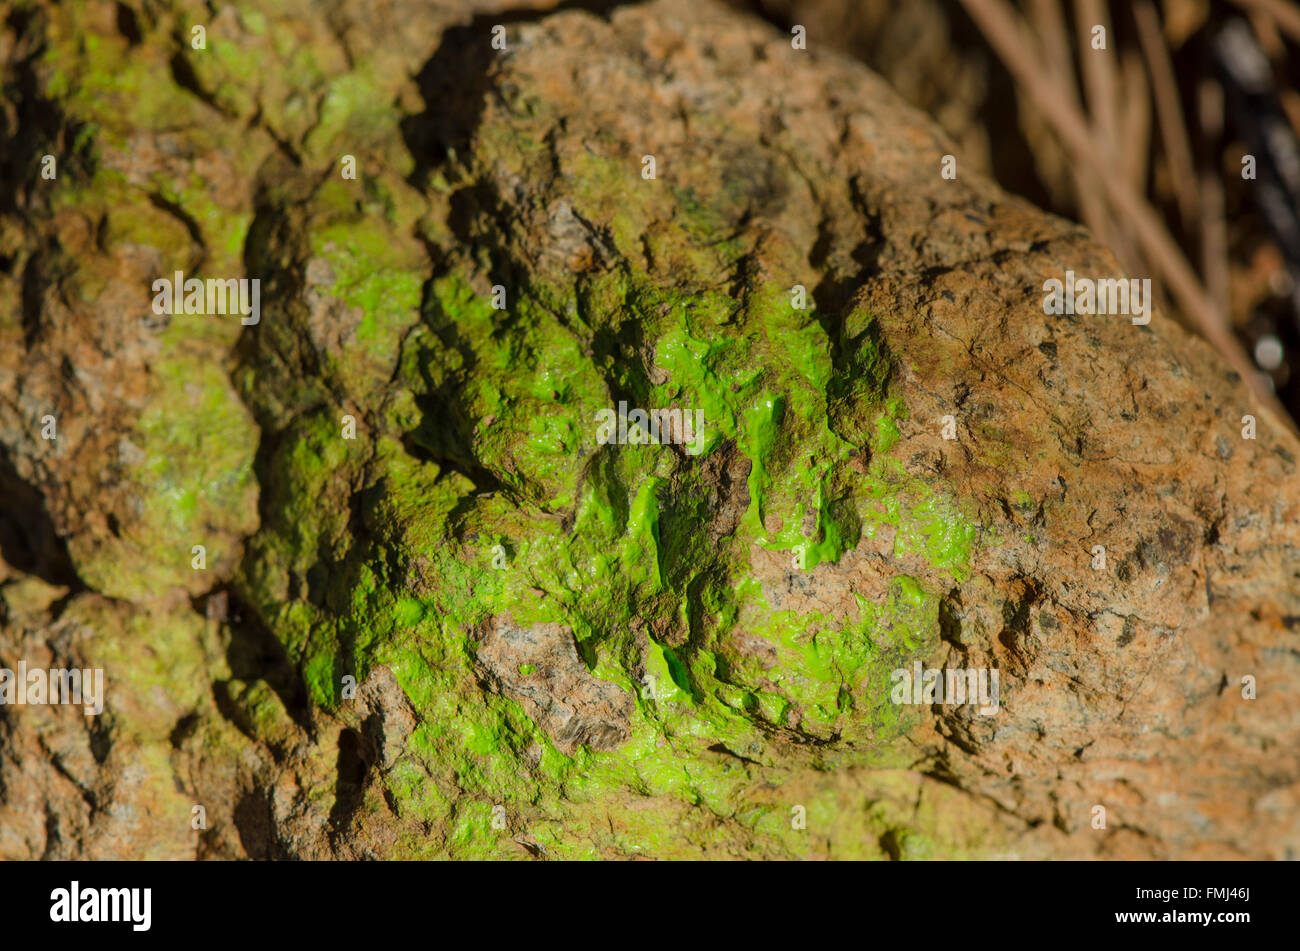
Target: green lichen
[477, 488]
[599, 539]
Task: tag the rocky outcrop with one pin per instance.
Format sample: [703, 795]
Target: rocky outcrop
[444, 614]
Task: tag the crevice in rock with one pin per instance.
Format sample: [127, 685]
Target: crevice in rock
[254, 653]
[354, 761]
[256, 826]
[29, 539]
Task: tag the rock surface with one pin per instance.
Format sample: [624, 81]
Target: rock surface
[563, 648]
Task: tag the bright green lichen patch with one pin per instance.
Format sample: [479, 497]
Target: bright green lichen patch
[752, 394]
[430, 460]
[480, 487]
[602, 540]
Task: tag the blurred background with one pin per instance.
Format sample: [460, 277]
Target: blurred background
[1142, 141]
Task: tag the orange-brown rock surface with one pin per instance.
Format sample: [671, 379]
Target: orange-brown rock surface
[676, 650]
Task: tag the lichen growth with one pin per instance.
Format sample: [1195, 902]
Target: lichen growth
[603, 540]
[476, 440]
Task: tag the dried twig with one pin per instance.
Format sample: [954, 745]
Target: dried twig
[1169, 111]
[1270, 40]
[1286, 15]
[1005, 32]
[1097, 67]
[1098, 72]
[1134, 145]
[1214, 226]
[1049, 23]
[1058, 66]
[1135, 123]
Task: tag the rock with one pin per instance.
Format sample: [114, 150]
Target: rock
[612, 649]
[539, 668]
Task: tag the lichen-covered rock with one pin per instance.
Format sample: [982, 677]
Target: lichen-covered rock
[480, 628]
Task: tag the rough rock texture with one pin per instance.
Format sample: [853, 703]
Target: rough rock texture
[631, 649]
[539, 667]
